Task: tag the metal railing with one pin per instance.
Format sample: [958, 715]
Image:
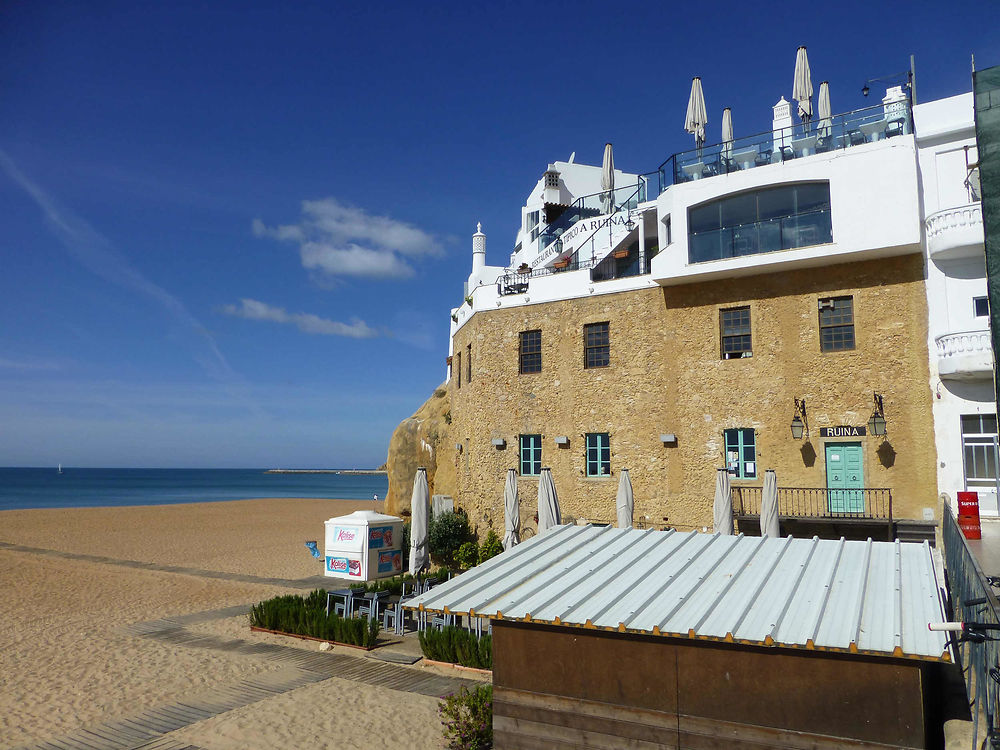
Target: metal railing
[841, 131]
[587, 207]
[819, 502]
[973, 601]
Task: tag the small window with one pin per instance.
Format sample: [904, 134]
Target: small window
[531, 455]
[735, 328]
[468, 363]
[981, 306]
[836, 324]
[531, 221]
[598, 454]
[530, 354]
[596, 345]
[741, 453]
[458, 369]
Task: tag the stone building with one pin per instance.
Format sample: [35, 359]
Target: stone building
[756, 304]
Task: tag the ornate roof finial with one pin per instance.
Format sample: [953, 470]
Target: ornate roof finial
[479, 226]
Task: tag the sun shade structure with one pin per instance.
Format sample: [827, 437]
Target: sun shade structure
[608, 179]
[824, 111]
[833, 595]
[697, 117]
[769, 525]
[624, 501]
[802, 87]
[727, 132]
[419, 502]
[511, 512]
[549, 515]
[722, 508]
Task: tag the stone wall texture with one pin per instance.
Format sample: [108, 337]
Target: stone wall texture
[666, 375]
[421, 440]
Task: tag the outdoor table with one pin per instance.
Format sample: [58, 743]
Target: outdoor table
[746, 158]
[694, 170]
[805, 144]
[347, 595]
[873, 130]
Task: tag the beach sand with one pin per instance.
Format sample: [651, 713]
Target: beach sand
[66, 661]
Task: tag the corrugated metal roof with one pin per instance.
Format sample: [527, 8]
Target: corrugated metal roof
[836, 595]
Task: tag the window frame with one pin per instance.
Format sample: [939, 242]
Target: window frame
[598, 443]
[468, 363]
[735, 437]
[530, 443]
[596, 348]
[458, 357]
[975, 307]
[522, 355]
[838, 325]
[743, 353]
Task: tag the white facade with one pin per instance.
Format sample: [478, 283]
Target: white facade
[961, 355]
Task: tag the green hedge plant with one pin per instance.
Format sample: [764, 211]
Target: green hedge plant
[457, 646]
[445, 534]
[307, 616]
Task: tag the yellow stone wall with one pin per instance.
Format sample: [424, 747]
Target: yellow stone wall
[667, 376]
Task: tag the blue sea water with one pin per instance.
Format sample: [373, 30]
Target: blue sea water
[81, 488]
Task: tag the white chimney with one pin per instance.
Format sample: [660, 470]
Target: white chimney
[781, 125]
[478, 251]
[550, 183]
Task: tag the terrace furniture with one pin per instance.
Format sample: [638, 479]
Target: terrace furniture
[856, 137]
[893, 128]
[805, 145]
[428, 584]
[873, 130]
[747, 158]
[396, 614]
[787, 154]
[368, 604]
[344, 608]
[764, 157]
[694, 171]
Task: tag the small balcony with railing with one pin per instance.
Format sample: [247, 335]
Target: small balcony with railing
[965, 355]
[820, 511]
[955, 232]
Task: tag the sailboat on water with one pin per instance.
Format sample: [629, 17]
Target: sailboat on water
[59, 469]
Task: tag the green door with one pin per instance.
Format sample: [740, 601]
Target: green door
[845, 477]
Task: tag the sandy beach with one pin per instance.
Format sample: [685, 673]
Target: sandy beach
[71, 659]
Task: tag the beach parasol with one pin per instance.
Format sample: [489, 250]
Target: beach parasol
[608, 179]
[419, 511]
[697, 117]
[823, 110]
[802, 87]
[624, 502]
[727, 132]
[548, 502]
[511, 512]
[722, 509]
[769, 506]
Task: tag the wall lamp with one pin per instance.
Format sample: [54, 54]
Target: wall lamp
[876, 423]
[799, 424]
[499, 443]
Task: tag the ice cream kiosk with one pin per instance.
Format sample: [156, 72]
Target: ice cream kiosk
[364, 546]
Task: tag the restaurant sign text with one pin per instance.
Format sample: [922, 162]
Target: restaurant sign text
[843, 431]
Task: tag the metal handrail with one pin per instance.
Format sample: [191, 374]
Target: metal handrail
[973, 600]
[815, 502]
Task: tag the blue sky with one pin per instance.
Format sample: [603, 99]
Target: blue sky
[233, 232]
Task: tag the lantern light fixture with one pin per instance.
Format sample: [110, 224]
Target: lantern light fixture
[799, 424]
[877, 422]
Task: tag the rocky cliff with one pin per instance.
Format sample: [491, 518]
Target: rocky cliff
[422, 440]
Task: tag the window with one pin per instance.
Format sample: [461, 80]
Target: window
[596, 345]
[458, 369]
[741, 453]
[468, 363]
[530, 354]
[982, 306]
[979, 451]
[531, 221]
[764, 221]
[836, 324]
[735, 331]
[531, 455]
[598, 454]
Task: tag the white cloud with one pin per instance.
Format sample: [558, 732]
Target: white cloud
[252, 309]
[27, 365]
[341, 240]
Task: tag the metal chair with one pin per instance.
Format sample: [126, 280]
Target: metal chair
[368, 605]
[396, 614]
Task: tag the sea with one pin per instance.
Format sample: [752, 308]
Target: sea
[84, 488]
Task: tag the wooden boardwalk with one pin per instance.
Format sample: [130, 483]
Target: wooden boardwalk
[149, 729]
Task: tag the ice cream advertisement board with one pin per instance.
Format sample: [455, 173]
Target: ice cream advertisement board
[363, 546]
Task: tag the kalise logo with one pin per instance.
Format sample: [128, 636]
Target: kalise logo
[338, 564]
[346, 535]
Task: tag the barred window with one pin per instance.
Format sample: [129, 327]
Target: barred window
[836, 324]
[530, 354]
[596, 345]
[735, 332]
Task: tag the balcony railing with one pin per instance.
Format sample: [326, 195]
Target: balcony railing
[842, 131]
[967, 353]
[955, 232]
[587, 207]
[821, 502]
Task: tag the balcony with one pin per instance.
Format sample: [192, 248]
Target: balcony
[965, 356]
[955, 232]
[819, 511]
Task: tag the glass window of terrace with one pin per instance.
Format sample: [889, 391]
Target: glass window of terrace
[763, 221]
[530, 352]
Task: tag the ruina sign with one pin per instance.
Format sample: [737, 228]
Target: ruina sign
[844, 430]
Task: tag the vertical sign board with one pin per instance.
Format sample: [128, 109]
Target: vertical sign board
[986, 92]
[345, 551]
